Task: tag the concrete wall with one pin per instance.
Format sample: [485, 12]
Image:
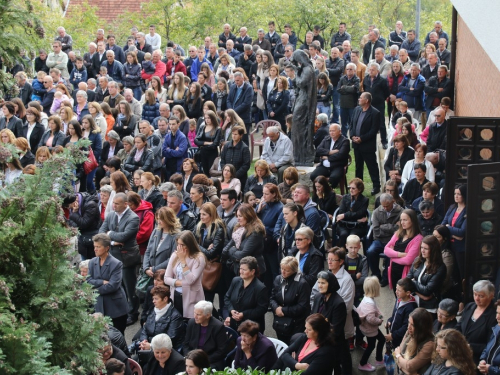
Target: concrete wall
[477, 78]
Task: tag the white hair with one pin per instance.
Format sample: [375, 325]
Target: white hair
[92, 44]
[395, 47]
[351, 65]
[84, 264]
[484, 286]
[273, 129]
[204, 306]
[110, 52]
[376, 66]
[161, 341]
[335, 125]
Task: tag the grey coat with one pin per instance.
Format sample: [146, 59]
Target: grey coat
[158, 256]
[111, 300]
[124, 232]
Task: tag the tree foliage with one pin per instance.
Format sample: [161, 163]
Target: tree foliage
[45, 326]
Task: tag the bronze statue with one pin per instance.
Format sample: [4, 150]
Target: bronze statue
[304, 109]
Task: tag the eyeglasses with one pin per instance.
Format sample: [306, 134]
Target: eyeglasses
[300, 239]
[353, 188]
[389, 191]
[333, 260]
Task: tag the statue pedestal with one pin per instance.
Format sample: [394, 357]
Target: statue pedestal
[304, 174]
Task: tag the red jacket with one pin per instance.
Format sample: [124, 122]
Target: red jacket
[161, 68]
[180, 67]
[146, 224]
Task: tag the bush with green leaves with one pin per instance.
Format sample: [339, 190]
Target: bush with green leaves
[45, 326]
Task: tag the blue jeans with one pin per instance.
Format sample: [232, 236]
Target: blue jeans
[90, 181]
[336, 107]
[372, 255]
[137, 92]
[324, 109]
[346, 116]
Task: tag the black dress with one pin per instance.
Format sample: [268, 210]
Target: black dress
[397, 269]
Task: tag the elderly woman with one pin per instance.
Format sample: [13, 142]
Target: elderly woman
[207, 333]
[489, 361]
[290, 300]
[253, 349]
[184, 273]
[128, 145]
[310, 259]
[262, 176]
[163, 319]
[104, 194]
[446, 315]
[247, 296]
[312, 351]
[414, 354]
[428, 218]
[352, 213]
[54, 136]
[478, 317]
[164, 361]
[81, 108]
[84, 267]
[105, 276]
[397, 158]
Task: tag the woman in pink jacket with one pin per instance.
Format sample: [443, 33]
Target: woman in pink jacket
[184, 273]
[403, 247]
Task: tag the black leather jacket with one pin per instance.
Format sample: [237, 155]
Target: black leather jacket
[216, 238]
[170, 323]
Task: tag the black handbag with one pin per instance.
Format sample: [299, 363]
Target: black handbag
[282, 324]
[131, 257]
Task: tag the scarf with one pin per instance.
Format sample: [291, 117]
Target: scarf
[238, 236]
[160, 312]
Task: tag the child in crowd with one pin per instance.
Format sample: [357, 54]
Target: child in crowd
[288, 121]
[402, 108]
[357, 266]
[103, 72]
[250, 198]
[405, 304]
[371, 318]
[37, 84]
[192, 132]
[148, 66]
[78, 74]
[59, 97]
[42, 155]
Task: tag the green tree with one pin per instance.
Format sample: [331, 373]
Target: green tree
[45, 326]
[82, 25]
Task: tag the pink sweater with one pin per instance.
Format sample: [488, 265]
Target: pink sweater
[369, 316]
[411, 250]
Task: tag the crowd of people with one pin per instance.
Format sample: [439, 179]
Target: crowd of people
[170, 215]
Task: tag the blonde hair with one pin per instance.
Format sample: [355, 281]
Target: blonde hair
[151, 177]
[211, 210]
[353, 239]
[371, 287]
[168, 216]
[291, 262]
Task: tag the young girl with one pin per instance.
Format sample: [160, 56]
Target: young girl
[42, 155]
[192, 132]
[250, 198]
[371, 318]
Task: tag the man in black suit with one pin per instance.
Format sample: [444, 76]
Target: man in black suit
[83, 87]
[371, 46]
[48, 98]
[333, 152]
[122, 226]
[240, 99]
[364, 127]
[99, 57]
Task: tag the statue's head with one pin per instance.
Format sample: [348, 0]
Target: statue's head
[300, 58]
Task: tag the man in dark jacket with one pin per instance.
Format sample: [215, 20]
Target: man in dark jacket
[237, 153]
[247, 59]
[339, 37]
[122, 226]
[335, 66]
[370, 47]
[174, 148]
[437, 88]
[25, 89]
[348, 90]
[411, 90]
[114, 67]
[242, 40]
[333, 152]
[84, 215]
[272, 36]
[186, 217]
[363, 132]
[437, 132]
[379, 89]
[225, 36]
[240, 99]
[227, 210]
[262, 42]
[111, 46]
